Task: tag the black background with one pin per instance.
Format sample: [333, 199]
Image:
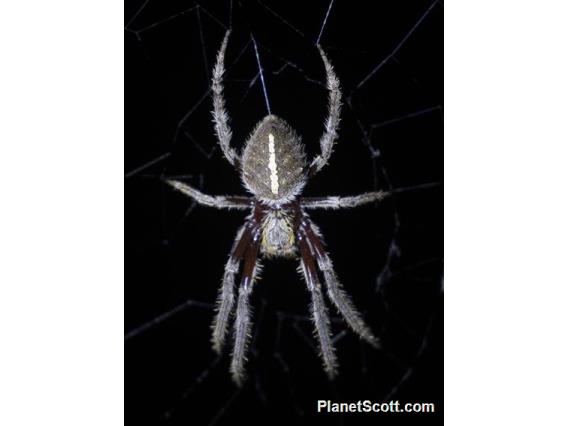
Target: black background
[391, 136]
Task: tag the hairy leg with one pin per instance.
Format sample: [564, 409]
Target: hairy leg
[226, 299]
[334, 202]
[243, 314]
[333, 117]
[220, 116]
[217, 201]
[318, 309]
[335, 290]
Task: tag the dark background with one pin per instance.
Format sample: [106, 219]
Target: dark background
[388, 256]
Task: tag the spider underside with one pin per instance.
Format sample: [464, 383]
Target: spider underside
[274, 169]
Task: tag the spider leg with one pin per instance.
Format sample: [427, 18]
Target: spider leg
[335, 290]
[319, 311]
[333, 117]
[334, 202]
[243, 314]
[220, 116]
[217, 201]
[226, 298]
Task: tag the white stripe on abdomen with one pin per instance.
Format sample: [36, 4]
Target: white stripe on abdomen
[272, 165]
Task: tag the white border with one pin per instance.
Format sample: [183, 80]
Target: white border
[61, 213]
[506, 216]
[61, 207]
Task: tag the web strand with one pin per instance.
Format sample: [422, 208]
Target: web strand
[324, 21]
[260, 70]
[397, 47]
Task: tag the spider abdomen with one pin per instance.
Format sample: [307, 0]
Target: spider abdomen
[278, 234]
[273, 162]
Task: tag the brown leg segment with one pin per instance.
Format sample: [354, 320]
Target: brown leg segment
[243, 314]
[319, 311]
[335, 290]
[226, 298]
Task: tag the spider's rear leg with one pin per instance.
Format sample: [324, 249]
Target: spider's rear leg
[319, 311]
[335, 290]
[226, 298]
[243, 314]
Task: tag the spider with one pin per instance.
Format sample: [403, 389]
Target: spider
[274, 169]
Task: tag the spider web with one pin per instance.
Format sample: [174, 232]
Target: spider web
[389, 256]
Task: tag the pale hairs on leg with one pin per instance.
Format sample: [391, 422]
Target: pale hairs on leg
[343, 302]
[335, 202]
[332, 121]
[321, 322]
[338, 295]
[225, 302]
[217, 201]
[220, 116]
[226, 298]
[242, 326]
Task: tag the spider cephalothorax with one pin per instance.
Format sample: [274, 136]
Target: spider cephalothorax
[274, 168]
